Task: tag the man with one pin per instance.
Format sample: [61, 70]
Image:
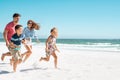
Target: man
[9, 31]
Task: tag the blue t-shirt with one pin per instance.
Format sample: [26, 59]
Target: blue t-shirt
[17, 40]
[29, 33]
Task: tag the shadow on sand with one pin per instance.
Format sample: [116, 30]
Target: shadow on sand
[4, 63]
[31, 69]
[4, 72]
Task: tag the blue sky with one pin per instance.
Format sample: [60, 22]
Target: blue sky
[73, 18]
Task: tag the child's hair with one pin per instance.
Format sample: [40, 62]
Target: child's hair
[34, 25]
[53, 29]
[18, 26]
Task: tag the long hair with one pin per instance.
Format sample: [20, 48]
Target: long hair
[34, 25]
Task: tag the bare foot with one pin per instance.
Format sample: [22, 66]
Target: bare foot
[2, 57]
[14, 70]
[56, 67]
[41, 59]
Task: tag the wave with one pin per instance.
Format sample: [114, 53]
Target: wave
[93, 46]
[88, 46]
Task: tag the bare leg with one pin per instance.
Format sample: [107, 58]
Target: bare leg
[55, 59]
[11, 61]
[28, 53]
[4, 55]
[20, 60]
[47, 58]
[15, 65]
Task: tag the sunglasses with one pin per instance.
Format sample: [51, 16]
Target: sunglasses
[30, 23]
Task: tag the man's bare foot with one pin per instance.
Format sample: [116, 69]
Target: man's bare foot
[41, 59]
[2, 57]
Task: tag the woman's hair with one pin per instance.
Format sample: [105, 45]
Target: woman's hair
[34, 25]
[53, 29]
[18, 26]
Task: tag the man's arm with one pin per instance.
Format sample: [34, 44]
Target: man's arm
[5, 37]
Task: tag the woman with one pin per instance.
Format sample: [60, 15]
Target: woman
[29, 33]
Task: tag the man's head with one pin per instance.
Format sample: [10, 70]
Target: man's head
[16, 17]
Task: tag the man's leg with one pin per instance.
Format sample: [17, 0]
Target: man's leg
[4, 55]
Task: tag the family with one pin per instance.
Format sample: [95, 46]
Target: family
[15, 36]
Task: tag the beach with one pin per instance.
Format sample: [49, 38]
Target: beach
[74, 63]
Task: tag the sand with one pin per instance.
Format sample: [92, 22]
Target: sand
[73, 64]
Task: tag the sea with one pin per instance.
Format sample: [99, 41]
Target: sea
[94, 44]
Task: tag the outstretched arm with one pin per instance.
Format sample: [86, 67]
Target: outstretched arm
[36, 37]
[56, 48]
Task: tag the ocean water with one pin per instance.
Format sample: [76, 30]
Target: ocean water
[86, 41]
[96, 44]
[82, 41]
[89, 44]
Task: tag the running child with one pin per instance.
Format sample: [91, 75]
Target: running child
[51, 47]
[15, 46]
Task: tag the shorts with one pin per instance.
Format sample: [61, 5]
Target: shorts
[28, 41]
[15, 52]
[50, 51]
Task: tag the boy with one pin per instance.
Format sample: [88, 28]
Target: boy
[15, 46]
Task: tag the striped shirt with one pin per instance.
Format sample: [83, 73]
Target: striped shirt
[17, 40]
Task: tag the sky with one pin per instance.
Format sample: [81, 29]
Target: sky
[81, 19]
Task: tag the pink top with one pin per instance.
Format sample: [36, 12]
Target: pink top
[10, 27]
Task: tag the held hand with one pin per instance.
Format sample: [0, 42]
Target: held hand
[24, 41]
[7, 44]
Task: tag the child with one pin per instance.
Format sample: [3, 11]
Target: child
[51, 47]
[15, 46]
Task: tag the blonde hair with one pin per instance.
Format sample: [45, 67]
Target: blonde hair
[54, 28]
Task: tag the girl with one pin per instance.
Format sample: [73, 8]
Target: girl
[29, 33]
[51, 47]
